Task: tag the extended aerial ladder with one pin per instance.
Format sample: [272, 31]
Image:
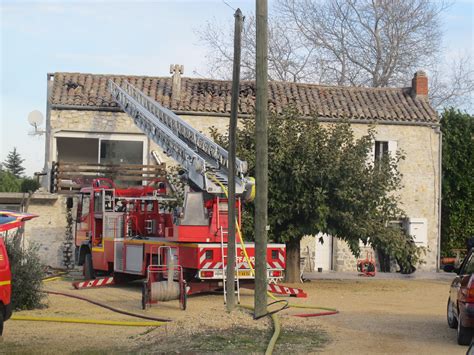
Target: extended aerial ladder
[204, 160]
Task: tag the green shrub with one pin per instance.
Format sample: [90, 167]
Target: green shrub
[28, 185]
[27, 274]
[8, 182]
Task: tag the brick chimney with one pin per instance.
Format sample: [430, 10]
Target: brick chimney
[176, 70]
[419, 85]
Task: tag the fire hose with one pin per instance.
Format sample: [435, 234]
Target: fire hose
[276, 322]
[154, 321]
[110, 308]
[87, 321]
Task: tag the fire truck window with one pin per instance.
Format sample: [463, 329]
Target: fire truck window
[97, 202]
[86, 200]
[149, 206]
[109, 201]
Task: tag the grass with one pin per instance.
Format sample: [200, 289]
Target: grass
[241, 340]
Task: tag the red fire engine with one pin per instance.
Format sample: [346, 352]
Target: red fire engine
[132, 231]
[9, 223]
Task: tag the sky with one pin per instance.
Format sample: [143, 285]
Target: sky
[119, 37]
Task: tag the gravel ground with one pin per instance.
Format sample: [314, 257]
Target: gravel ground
[376, 316]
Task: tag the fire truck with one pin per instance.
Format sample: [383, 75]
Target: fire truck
[132, 232]
[9, 223]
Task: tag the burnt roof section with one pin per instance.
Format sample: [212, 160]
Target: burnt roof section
[204, 96]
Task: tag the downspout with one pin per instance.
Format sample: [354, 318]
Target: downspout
[440, 190]
[47, 142]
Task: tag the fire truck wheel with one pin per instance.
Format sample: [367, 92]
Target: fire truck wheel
[183, 296]
[1, 321]
[88, 268]
[144, 295]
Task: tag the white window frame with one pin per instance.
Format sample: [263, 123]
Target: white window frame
[392, 149]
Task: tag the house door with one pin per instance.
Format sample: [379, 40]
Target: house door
[323, 252]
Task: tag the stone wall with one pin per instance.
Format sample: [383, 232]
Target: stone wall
[420, 192]
[47, 230]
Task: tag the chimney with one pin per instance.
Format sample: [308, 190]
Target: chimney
[176, 70]
[419, 85]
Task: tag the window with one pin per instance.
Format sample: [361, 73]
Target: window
[95, 150]
[121, 152]
[77, 150]
[468, 267]
[85, 203]
[381, 150]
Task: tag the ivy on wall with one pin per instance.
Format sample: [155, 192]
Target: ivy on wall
[457, 220]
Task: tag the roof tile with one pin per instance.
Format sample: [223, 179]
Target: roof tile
[214, 96]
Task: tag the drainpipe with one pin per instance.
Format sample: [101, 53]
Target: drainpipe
[47, 149]
[440, 190]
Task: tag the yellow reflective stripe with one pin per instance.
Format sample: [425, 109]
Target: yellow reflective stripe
[4, 283]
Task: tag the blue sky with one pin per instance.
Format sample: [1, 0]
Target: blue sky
[119, 37]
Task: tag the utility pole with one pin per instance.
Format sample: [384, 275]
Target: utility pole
[230, 270]
[261, 166]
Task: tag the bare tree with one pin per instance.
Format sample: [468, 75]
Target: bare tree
[453, 87]
[369, 42]
[290, 57]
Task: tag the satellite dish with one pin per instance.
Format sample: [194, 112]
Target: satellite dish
[35, 118]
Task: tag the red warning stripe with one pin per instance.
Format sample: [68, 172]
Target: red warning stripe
[285, 290]
[106, 281]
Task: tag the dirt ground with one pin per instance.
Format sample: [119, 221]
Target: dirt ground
[376, 316]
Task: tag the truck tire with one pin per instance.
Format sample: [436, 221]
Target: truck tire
[1, 321]
[183, 296]
[144, 295]
[89, 273]
[464, 334]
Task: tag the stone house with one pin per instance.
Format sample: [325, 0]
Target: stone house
[84, 124]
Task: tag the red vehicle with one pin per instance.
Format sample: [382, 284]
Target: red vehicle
[460, 309]
[9, 223]
[124, 231]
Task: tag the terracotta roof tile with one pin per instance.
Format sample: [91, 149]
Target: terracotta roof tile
[214, 96]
